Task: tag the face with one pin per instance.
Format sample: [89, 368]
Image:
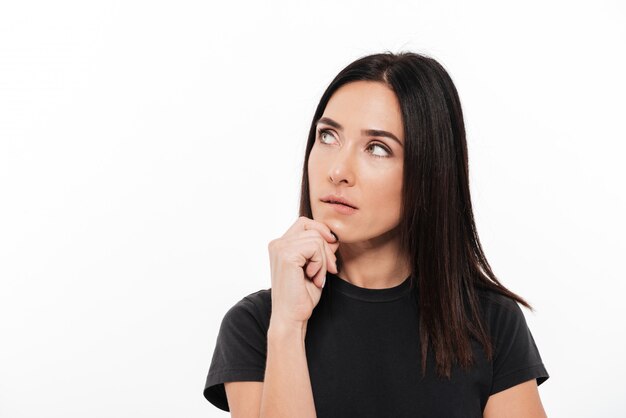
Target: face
[352, 161]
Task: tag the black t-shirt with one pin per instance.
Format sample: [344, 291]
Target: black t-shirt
[364, 358]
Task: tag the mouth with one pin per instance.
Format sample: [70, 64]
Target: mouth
[337, 200]
[334, 202]
[342, 208]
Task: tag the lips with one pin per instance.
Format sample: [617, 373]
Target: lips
[337, 199]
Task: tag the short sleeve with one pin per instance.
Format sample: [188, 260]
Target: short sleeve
[240, 351]
[516, 356]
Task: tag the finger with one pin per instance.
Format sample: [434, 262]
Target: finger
[323, 229]
[331, 258]
[317, 259]
[304, 223]
[297, 226]
[321, 274]
[329, 238]
[328, 249]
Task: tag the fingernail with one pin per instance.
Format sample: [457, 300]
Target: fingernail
[324, 282]
[336, 239]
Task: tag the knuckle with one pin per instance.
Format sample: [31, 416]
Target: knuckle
[274, 244]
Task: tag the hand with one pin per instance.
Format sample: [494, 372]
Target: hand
[299, 261]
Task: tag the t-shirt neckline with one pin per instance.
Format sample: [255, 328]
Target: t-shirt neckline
[370, 295]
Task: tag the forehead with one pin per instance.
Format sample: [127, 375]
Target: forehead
[366, 105]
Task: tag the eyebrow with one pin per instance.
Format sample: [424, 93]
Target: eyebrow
[371, 132]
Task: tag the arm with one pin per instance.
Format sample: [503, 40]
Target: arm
[519, 401]
[287, 390]
[244, 398]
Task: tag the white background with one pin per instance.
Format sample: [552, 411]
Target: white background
[149, 151]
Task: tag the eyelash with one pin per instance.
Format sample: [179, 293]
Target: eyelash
[323, 131]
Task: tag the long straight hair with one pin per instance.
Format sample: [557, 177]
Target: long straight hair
[437, 230]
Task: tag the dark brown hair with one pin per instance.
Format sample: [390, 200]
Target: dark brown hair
[437, 229]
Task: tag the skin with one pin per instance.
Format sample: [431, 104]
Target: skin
[367, 171]
[519, 401]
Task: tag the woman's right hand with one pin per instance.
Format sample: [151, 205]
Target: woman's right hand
[299, 261]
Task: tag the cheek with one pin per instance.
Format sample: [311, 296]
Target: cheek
[313, 165]
[392, 197]
[313, 170]
[386, 184]
[386, 193]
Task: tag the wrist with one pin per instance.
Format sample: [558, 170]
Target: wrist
[280, 328]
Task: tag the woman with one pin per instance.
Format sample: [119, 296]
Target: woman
[382, 302]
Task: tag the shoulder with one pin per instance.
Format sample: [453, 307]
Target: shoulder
[491, 299]
[502, 314]
[240, 348]
[245, 324]
[254, 308]
[261, 300]
[516, 357]
[496, 306]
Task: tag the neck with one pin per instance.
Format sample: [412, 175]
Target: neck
[379, 267]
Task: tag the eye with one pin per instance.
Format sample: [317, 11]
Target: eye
[381, 147]
[322, 132]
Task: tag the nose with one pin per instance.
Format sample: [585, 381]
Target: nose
[340, 169]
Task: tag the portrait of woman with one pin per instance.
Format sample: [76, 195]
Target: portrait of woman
[382, 301]
[406, 209]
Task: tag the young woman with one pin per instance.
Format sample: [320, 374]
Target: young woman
[382, 302]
